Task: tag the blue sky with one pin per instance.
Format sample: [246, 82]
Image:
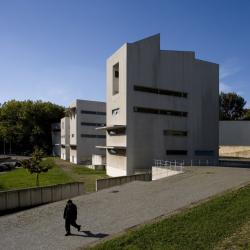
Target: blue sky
[55, 50]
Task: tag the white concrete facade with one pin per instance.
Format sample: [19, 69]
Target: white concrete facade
[85, 117]
[160, 105]
[65, 136]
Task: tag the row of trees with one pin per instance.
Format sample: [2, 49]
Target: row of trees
[25, 125]
[232, 107]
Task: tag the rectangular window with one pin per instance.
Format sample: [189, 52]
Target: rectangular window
[169, 132]
[93, 124]
[160, 111]
[116, 79]
[73, 146]
[160, 91]
[204, 152]
[115, 111]
[117, 131]
[93, 136]
[72, 135]
[117, 151]
[92, 112]
[176, 152]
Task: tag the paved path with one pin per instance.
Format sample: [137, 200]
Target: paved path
[112, 210]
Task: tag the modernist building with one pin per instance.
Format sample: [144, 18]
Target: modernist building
[65, 136]
[161, 104]
[85, 116]
[56, 138]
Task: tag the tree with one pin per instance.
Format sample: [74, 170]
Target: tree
[25, 125]
[37, 165]
[231, 106]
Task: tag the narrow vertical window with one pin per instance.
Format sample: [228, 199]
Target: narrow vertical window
[116, 79]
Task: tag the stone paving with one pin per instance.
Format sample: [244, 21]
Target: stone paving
[113, 210]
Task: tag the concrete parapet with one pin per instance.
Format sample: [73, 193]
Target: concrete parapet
[115, 181]
[24, 198]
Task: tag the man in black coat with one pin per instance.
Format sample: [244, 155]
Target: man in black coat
[70, 216]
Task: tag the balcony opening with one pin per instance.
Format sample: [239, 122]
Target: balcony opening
[116, 79]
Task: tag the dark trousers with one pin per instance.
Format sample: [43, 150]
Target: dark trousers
[68, 223]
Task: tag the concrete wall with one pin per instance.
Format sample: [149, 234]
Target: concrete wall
[84, 147]
[144, 64]
[234, 133]
[115, 181]
[23, 198]
[65, 138]
[161, 172]
[56, 138]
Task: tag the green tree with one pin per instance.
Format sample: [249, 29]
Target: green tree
[37, 164]
[231, 106]
[27, 124]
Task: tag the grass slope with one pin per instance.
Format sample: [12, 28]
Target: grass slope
[201, 227]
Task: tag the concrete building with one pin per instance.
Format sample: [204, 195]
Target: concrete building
[161, 104]
[235, 133]
[85, 116]
[56, 138]
[65, 138]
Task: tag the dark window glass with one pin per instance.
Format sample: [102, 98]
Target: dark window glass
[170, 132]
[160, 91]
[93, 112]
[119, 151]
[93, 124]
[73, 146]
[93, 136]
[160, 111]
[204, 152]
[118, 131]
[176, 152]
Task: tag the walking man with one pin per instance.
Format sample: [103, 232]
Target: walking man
[70, 216]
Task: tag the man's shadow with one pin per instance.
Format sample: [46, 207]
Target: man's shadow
[89, 234]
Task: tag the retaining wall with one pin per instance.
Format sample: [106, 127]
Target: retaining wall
[161, 172]
[23, 198]
[115, 181]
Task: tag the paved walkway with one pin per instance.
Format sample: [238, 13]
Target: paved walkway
[112, 210]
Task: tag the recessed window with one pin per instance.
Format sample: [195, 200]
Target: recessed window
[116, 79]
[92, 112]
[204, 152]
[93, 136]
[72, 135]
[117, 151]
[93, 124]
[160, 91]
[176, 152]
[73, 146]
[172, 132]
[160, 111]
[117, 131]
[115, 111]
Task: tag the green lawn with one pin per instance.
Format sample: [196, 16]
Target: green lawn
[21, 178]
[88, 176]
[215, 224]
[62, 172]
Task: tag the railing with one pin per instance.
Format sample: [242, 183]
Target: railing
[176, 163]
[172, 165]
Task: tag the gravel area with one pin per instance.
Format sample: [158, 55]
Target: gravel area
[112, 210]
